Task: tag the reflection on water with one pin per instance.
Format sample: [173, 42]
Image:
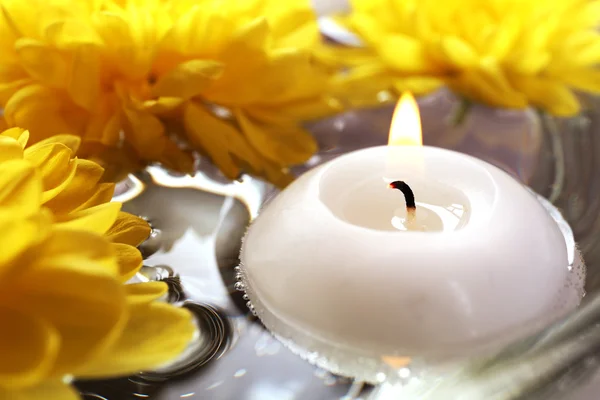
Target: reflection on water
[197, 228]
[199, 221]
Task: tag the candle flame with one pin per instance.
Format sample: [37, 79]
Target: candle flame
[405, 129]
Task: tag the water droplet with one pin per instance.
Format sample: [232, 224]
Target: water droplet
[239, 286]
[246, 297]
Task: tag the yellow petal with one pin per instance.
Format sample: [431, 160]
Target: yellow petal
[458, 52]
[117, 162]
[28, 345]
[283, 144]
[103, 194]
[145, 132]
[178, 159]
[20, 188]
[10, 149]
[129, 259]
[128, 229]
[246, 58]
[495, 75]
[531, 63]
[28, 103]
[12, 78]
[80, 189]
[96, 219]
[145, 292]
[163, 106]
[187, 79]
[50, 390]
[42, 62]
[404, 54]
[69, 34]
[418, 85]
[21, 235]
[552, 96]
[292, 75]
[217, 138]
[86, 309]
[19, 134]
[76, 289]
[71, 141]
[587, 79]
[84, 80]
[584, 49]
[155, 334]
[7, 90]
[54, 162]
[507, 35]
[105, 122]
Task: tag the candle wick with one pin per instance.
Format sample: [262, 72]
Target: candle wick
[409, 196]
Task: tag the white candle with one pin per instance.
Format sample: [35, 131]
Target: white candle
[332, 260]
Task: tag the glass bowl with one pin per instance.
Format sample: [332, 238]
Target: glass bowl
[199, 222]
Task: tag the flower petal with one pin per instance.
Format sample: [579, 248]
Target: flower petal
[10, 149]
[145, 292]
[553, 96]
[96, 219]
[129, 259]
[84, 80]
[43, 63]
[12, 78]
[405, 54]
[58, 250]
[82, 187]
[176, 158]
[71, 141]
[21, 235]
[145, 132]
[117, 162]
[458, 52]
[28, 103]
[216, 137]
[76, 289]
[103, 194]
[284, 144]
[28, 345]
[187, 79]
[587, 79]
[155, 334]
[20, 188]
[19, 134]
[53, 161]
[128, 229]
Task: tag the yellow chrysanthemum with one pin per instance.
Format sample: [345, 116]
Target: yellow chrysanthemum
[65, 254]
[506, 53]
[234, 79]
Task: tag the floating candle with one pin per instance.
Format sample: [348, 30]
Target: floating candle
[338, 265]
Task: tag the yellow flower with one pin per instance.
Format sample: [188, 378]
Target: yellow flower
[234, 79]
[63, 306]
[506, 53]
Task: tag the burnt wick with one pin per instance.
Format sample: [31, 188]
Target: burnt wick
[409, 196]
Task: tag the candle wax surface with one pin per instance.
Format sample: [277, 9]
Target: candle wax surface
[331, 255]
